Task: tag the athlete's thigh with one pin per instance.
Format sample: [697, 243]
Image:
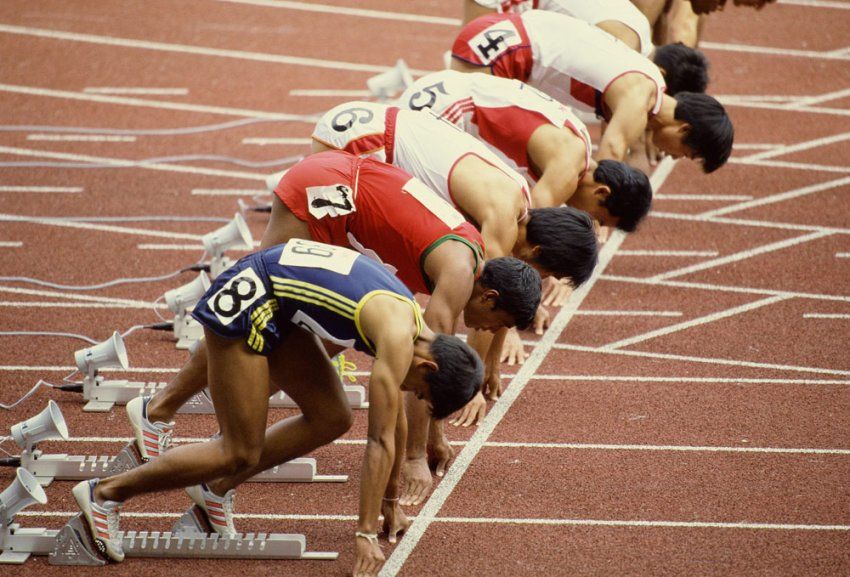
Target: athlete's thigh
[301, 368]
[239, 386]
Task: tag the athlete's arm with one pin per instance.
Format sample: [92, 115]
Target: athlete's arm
[390, 325]
[283, 226]
[630, 98]
[473, 9]
[561, 159]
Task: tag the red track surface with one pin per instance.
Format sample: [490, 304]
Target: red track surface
[718, 446]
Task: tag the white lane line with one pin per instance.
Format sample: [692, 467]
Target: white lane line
[11, 244]
[149, 246]
[773, 106]
[268, 141]
[842, 255]
[642, 523]
[325, 92]
[725, 288]
[780, 197]
[599, 313]
[825, 97]
[664, 253]
[68, 305]
[462, 462]
[671, 448]
[343, 10]
[196, 50]
[826, 316]
[743, 255]
[701, 197]
[43, 368]
[483, 520]
[806, 145]
[755, 146]
[749, 48]
[747, 222]
[694, 322]
[50, 221]
[840, 51]
[140, 91]
[794, 165]
[42, 189]
[228, 191]
[127, 163]
[817, 4]
[82, 297]
[80, 138]
[156, 104]
[707, 360]
[706, 380]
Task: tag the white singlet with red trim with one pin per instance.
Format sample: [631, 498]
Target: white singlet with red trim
[420, 143]
[500, 112]
[566, 49]
[591, 11]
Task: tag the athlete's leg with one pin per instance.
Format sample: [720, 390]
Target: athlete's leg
[283, 225]
[239, 386]
[300, 367]
[190, 380]
[683, 24]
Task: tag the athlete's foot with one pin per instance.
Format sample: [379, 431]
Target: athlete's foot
[218, 510]
[152, 437]
[102, 519]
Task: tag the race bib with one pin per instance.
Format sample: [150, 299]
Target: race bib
[334, 200]
[494, 41]
[308, 253]
[236, 295]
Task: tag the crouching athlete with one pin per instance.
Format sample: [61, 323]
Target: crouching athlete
[263, 319]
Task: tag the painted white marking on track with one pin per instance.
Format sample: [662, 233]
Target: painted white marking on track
[817, 4]
[11, 244]
[707, 360]
[779, 197]
[127, 163]
[462, 462]
[842, 255]
[748, 222]
[826, 316]
[694, 322]
[68, 305]
[720, 197]
[641, 523]
[156, 104]
[51, 221]
[794, 165]
[800, 146]
[228, 191]
[194, 247]
[196, 50]
[670, 448]
[770, 51]
[82, 297]
[346, 11]
[743, 255]
[600, 313]
[80, 138]
[771, 106]
[271, 141]
[664, 253]
[130, 90]
[324, 92]
[42, 189]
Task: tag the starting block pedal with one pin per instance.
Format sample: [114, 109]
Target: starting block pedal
[74, 545]
[102, 395]
[47, 468]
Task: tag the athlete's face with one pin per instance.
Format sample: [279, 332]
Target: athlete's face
[483, 315]
[670, 139]
[415, 382]
[589, 197]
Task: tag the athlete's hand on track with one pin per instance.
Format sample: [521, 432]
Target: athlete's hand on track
[440, 453]
[417, 481]
[513, 352]
[473, 413]
[368, 558]
[541, 320]
[493, 383]
[555, 292]
[395, 521]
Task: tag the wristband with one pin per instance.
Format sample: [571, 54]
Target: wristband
[371, 537]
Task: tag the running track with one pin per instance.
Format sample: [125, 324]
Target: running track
[686, 414]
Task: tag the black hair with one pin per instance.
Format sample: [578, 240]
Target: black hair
[711, 133]
[459, 375]
[631, 193]
[519, 287]
[685, 69]
[565, 240]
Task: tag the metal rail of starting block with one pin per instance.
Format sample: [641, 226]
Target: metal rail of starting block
[101, 395]
[62, 467]
[74, 545]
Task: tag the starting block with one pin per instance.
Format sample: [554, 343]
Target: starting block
[74, 545]
[47, 468]
[101, 395]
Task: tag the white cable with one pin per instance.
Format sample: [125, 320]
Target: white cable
[149, 132]
[131, 330]
[90, 287]
[160, 160]
[28, 395]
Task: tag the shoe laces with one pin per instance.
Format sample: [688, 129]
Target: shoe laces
[344, 368]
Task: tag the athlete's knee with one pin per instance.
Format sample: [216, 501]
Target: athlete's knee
[238, 458]
[340, 420]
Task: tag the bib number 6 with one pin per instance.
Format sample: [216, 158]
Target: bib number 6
[345, 119]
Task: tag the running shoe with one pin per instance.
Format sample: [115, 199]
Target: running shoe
[152, 439]
[218, 510]
[102, 519]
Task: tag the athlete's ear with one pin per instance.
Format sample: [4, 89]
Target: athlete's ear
[601, 192]
[426, 366]
[491, 295]
[684, 129]
[663, 72]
